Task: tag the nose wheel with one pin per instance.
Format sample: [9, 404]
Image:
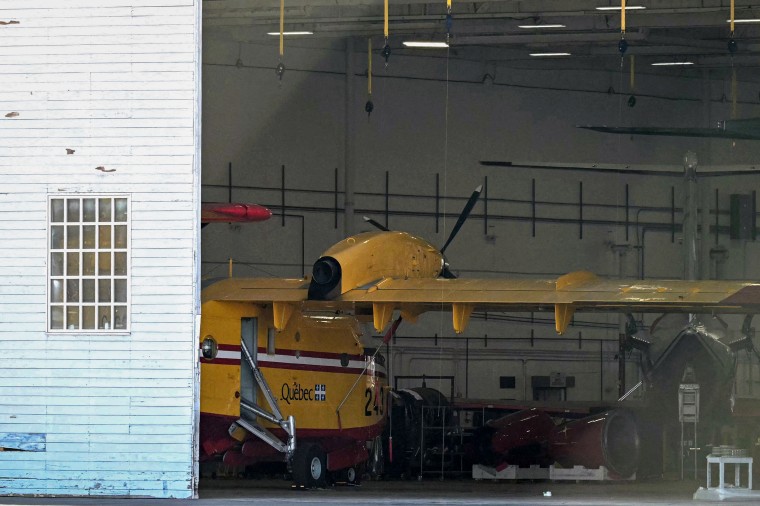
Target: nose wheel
[310, 466]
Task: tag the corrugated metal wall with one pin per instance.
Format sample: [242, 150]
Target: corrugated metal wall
[100, 96]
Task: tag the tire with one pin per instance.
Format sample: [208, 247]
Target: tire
[351, 475]
[310, 466]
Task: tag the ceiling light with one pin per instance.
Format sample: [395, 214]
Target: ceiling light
[627, 7]
[419, 43]
[550, 54]
[672, 63]
[747, 20]
[290, 33]
[541, 26]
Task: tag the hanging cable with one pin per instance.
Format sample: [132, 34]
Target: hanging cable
[369, 106]
[732, 48]
[387, 47]
[632, 82]
[280, 70]
[449, 21]
[623, 44]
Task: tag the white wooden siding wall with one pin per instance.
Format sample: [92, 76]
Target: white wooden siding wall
[115, 81]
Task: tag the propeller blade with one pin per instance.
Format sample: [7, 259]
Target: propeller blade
[375, 224]
[446, 272]
[463, 216]
[391, 331]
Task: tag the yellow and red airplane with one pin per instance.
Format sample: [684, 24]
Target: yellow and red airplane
[320, 395]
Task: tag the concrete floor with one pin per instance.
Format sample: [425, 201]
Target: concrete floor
[426, 492]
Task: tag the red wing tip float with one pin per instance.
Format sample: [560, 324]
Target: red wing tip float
[384, 271]
[233, 212]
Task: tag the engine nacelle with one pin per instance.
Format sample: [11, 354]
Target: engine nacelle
[371, 256]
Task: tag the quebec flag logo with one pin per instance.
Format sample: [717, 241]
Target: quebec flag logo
[320, 391]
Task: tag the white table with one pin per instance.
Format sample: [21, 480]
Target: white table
[722, 461]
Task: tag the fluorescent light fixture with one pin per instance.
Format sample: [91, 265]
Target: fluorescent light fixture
[420, 43]
[747, 20]
[672, 63]
[550, 54]
[541, 26]
[627, 7]
[290, 33]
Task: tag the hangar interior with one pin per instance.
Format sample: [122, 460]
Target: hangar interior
[560, 199]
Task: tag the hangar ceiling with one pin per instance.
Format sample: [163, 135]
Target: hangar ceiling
[693, 31]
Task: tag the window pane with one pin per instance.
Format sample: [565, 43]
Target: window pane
[120, 236]
[72, 290]
[56, 210]
[104, 209]
[88, 317]
[56, 264]
[120, 264]
[120, 290]
[56, 317]
[104, 290]
[72, 237]
[120, 317]
[121, 210]
[88, 290]
[72, 264]
[104, 317]
[72, 211]
[56, 237]
[104, 264]
[104, 237]
[56, 290]
[88, 264]
[88, 210]
[72, 317]
[88, 236]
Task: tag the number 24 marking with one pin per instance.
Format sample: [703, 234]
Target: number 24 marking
[369, 393]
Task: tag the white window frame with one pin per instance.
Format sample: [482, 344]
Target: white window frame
[100, 326]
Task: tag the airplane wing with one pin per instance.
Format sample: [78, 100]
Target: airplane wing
[577, 291]
[748, 128]
[713, 133]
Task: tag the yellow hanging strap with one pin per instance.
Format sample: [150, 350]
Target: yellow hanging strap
[386, 48]
[732, 18]
[282, 28]
[622, 16]
[385, 14]
[280, 70]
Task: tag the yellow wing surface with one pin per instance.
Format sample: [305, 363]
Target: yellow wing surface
[575, 291]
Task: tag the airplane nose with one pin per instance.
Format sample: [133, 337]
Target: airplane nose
[325, 277]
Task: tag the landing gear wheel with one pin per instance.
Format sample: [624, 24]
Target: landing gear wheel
[310, 466]
[350, 476]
